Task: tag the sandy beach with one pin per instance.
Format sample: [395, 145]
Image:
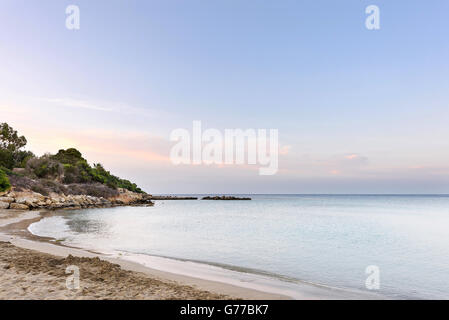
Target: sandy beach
[33, 268]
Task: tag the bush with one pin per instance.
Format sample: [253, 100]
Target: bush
[40, 189]
[44, 167]
[21, 158]
[21, 183]
[7, 171]
[6, 159]
[77, 173]
[99, 174]
[42, 186]
[69, 156]
[92, 189]
[70, 174]
[4, 181]
[53, 186]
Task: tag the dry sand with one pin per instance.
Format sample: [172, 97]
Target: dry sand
[28, 274]
[33, 268]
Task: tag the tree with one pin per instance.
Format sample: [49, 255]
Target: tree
[6, 159]
[10, 139]
[10, 144]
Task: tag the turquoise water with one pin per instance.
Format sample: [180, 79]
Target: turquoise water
[321, 239]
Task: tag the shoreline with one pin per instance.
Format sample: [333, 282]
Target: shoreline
[13, 229]
[203, 276]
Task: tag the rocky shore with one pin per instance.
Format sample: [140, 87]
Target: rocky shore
[30, 200]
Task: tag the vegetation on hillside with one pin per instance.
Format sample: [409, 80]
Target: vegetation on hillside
[65, 172]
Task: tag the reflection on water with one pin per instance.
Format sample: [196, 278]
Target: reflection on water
[100, 228]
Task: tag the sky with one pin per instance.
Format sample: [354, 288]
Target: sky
[357, 110]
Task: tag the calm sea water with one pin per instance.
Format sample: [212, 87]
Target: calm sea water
[323, 239]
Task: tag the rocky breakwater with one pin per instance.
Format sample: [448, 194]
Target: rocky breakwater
[224, 198]
[29, 200]
[173, 198]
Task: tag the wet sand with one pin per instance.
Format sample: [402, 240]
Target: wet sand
[34, 268]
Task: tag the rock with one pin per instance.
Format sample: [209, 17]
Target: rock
[7, 199]
[55, 206]
[18, 206]
[4, 205]
[150, 197]
[28, 198]
[25, 200]
[224, 198]
[19, 170]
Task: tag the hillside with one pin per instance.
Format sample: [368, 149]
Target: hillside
[66, 174]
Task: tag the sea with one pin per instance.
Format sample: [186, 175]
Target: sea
[388, 246]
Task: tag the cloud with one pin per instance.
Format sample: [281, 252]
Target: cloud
[307, 165]
[113, 107]
[354, 158]
[284, 150]
[351, 156]
[78, 104]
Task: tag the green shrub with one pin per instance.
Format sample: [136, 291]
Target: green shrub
[44, 167]
[21, 158]
[4, 181]
[6, 158]
[99, 174]
[70, 174]
[7, 171]
[69, 156]
[77, 173]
